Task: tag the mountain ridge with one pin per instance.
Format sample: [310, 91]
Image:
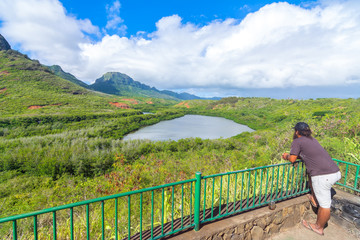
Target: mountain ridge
[115, 83]
[120, 84]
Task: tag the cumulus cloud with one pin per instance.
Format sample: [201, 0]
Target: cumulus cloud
[115, 22]
[280, 45]
[43, 28]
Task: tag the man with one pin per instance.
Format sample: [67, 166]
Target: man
[322, 170]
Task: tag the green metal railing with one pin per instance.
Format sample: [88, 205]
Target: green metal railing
[156, 212]
[350, 175]
[239, 191]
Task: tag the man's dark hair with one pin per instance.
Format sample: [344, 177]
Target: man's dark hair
[303, 129]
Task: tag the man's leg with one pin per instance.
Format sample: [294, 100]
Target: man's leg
[323, 195]
[312, 196]
[323, 217]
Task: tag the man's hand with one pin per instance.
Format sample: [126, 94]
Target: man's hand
[285, 156]
[291, 158]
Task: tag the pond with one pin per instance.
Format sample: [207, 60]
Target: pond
[190, 126]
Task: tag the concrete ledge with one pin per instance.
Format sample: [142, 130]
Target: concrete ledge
[257, 224]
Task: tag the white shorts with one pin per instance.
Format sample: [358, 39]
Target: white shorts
[322, 187]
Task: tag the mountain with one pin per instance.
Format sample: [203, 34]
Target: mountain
[112, 83]
[187, 96]
[123, 85]
[28, 89]
[57, 70]
[4, 45]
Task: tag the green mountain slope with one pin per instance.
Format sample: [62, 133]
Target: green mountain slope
[123, 85]
[28, 88]
[57, 70]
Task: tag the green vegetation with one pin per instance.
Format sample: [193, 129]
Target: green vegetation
[61, 143]
[87, 149]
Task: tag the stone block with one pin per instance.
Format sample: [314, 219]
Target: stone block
[278, 218]
[227, 236]
[248, 236]
[290, 222]
[297, 215]
[273, 228]
[217, 238]
[240, 229]
[269, 219]
[237, 237]
[287, 212]
[257, 233]
[261, 222]
[248, 226]
[302, 209]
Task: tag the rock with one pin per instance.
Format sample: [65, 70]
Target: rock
[296, 216]
[248, 226]
[248, 236]
[273, 228]
[240, 229]
[257, 233]
[261, 222]
[278, 218]
[268, 220]
[237, 237]
[227, 236]
[302, 210]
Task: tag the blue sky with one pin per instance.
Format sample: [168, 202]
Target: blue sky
[141, 15]
[286, 49]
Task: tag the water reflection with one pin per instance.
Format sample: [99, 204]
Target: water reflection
[190, 126]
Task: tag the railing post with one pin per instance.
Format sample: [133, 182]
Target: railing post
[197, 201]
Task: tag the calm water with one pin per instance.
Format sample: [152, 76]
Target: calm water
[190, 126]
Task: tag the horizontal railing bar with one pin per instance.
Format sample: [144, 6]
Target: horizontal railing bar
[77, 204]
[347, 186]
[348, 163]
[247, 170]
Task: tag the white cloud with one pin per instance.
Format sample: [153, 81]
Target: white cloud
[280, 45]
[42, 28]
[115, 22]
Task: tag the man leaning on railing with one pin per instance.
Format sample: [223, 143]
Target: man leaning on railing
[322, 170]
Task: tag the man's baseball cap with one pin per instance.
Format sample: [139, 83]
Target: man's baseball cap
[300, 126]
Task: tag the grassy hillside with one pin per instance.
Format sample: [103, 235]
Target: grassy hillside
[29, 88]
[61, 143]
[57, 70]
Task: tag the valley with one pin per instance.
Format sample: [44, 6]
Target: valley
[61, 142]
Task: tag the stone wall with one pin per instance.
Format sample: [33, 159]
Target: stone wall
[262, 223]
[257, 224]
[264, 226]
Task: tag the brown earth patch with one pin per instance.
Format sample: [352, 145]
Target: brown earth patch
[41, 106]
[120, 105]
[215, 107]
[133, 101]
[35, 107]
[4, 73]
[184, 103]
